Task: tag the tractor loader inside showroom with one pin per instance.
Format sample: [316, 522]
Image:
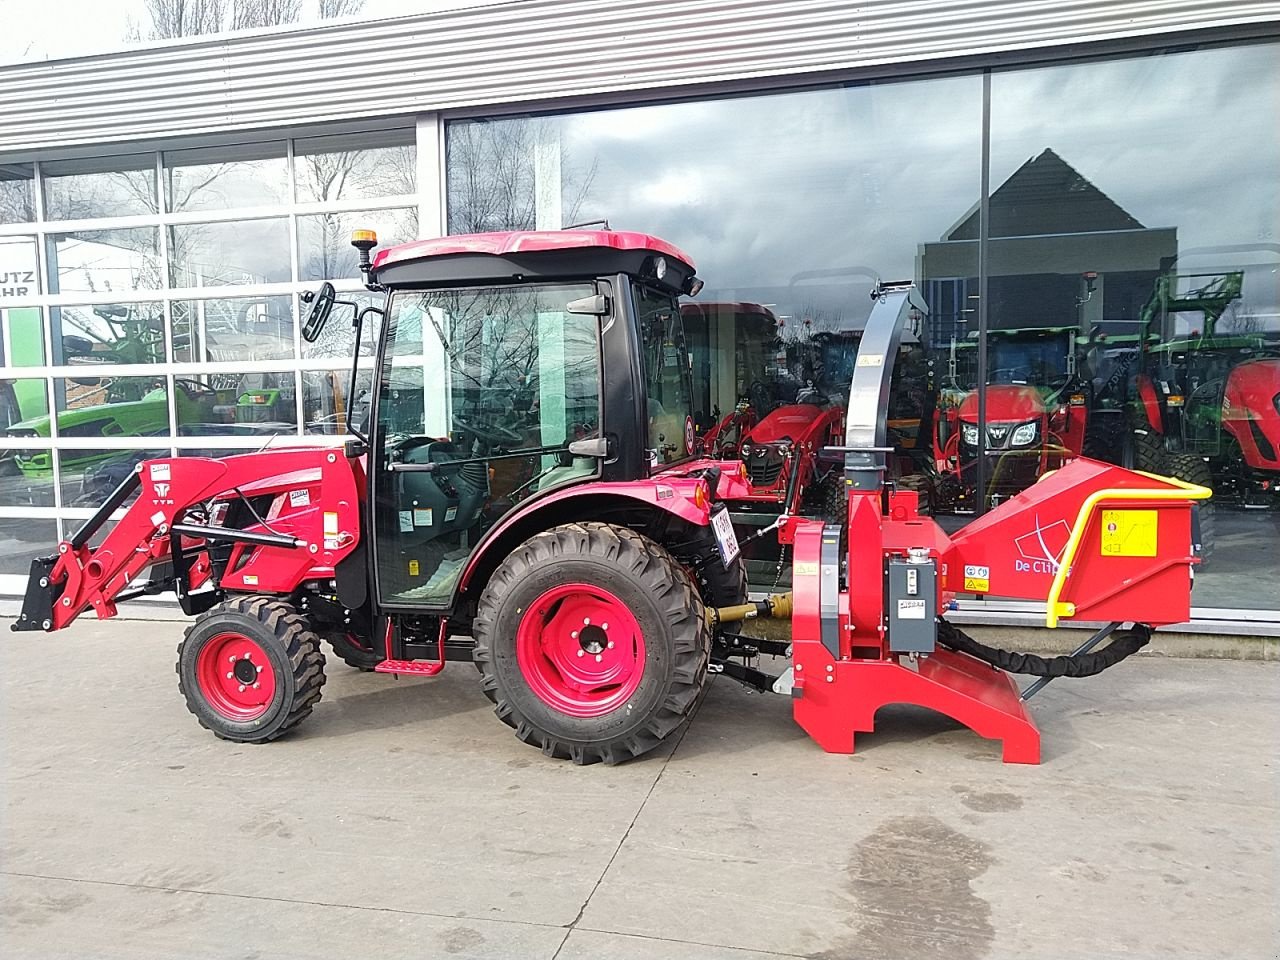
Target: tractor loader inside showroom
[522, 495]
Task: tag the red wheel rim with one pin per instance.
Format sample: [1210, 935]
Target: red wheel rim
[235, 677]
[580, 650]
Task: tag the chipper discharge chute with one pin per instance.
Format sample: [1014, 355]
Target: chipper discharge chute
[541, 520]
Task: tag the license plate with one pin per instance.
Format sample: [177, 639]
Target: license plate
[726, 539]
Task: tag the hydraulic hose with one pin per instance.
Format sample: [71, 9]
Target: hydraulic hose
[1124, 643]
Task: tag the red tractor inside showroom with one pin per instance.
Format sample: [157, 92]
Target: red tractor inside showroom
[523, 496]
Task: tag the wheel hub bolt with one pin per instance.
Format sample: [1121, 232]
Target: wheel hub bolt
[586, 621]
[599, 657]
[610, 644]
[256, 685]
[259, 669]
[230, 675]
[573, 634]
[604, 626]
[582, 653]
[232, 658]
[242, 688]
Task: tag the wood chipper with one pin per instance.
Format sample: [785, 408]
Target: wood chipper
[521, 495]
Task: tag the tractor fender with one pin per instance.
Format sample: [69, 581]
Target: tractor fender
[684, 498]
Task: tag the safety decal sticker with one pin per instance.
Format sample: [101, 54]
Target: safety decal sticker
[414, 567]
[159, 471]
[300, 498]
[406, 521]
[977, 579]
[1129, 533]
[421, 517]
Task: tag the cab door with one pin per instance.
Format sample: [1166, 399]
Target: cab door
[480, 392]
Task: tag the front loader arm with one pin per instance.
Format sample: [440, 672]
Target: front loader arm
[312, 525]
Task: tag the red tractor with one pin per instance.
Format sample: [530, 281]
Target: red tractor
[525, 500]
[1036, 414]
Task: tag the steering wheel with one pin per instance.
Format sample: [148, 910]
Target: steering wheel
[761, 397]
[494, 433]
[195, 388]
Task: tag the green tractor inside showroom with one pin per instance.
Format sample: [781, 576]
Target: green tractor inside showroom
[524, 495]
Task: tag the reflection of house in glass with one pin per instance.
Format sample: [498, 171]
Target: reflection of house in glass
[1049, 229]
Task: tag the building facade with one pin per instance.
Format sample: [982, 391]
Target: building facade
[1087, 194]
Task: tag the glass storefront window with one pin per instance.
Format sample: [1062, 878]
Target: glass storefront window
[107, 333]
[22, 401]
[326, 400]
[237, 404]
[23, 540]
[324, 240]
[26, 477]
[17, 194]
[355, 166]
[249, 175]
[104, 261]
[1134, 298]
[243, 328]
[87, 476]
[234, 253]
[91, 408]
[99, 187]
[337, 340]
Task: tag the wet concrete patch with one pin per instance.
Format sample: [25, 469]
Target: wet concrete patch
[989, 802]
[910, 882]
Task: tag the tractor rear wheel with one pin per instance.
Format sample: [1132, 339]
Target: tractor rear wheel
[592, 641]
[1193, 469]
[250, 669]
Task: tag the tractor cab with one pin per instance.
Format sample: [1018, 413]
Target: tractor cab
[513, 367]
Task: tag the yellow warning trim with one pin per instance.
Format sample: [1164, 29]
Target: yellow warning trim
[1184, 491]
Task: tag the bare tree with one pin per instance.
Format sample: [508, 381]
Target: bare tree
[184, 18]
[339, 8]
[264, 13]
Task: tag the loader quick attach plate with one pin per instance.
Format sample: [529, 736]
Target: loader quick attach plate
[41, 595]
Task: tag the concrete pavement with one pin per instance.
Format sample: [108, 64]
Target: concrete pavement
[403, 820]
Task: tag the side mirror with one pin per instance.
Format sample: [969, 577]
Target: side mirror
[321, 307]
[597, 306]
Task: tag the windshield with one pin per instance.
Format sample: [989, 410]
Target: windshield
[1033, 357]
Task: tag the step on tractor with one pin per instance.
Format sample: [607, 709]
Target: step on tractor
[521, 499]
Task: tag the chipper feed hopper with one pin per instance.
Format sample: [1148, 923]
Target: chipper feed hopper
[522, 497]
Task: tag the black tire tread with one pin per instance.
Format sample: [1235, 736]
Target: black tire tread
[667, 581]
[300, 644]
[1193, 469]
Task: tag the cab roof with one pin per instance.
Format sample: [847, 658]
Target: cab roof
[515, 243]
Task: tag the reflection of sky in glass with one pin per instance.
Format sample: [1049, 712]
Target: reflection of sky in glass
[760, 189]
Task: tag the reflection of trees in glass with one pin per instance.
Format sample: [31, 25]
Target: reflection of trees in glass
[332, 175]
[492, 175]
[170, 19]
[16, 200]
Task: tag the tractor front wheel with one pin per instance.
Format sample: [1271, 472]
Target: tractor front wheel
[1194, 469]
[250, 669]
[592, 642]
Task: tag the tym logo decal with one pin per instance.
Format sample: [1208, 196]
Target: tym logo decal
[1041, 550]
[162, 489]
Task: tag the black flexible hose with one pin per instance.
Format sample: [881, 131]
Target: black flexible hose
[1124, 643]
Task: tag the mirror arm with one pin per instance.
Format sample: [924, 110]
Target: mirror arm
[358, 324]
